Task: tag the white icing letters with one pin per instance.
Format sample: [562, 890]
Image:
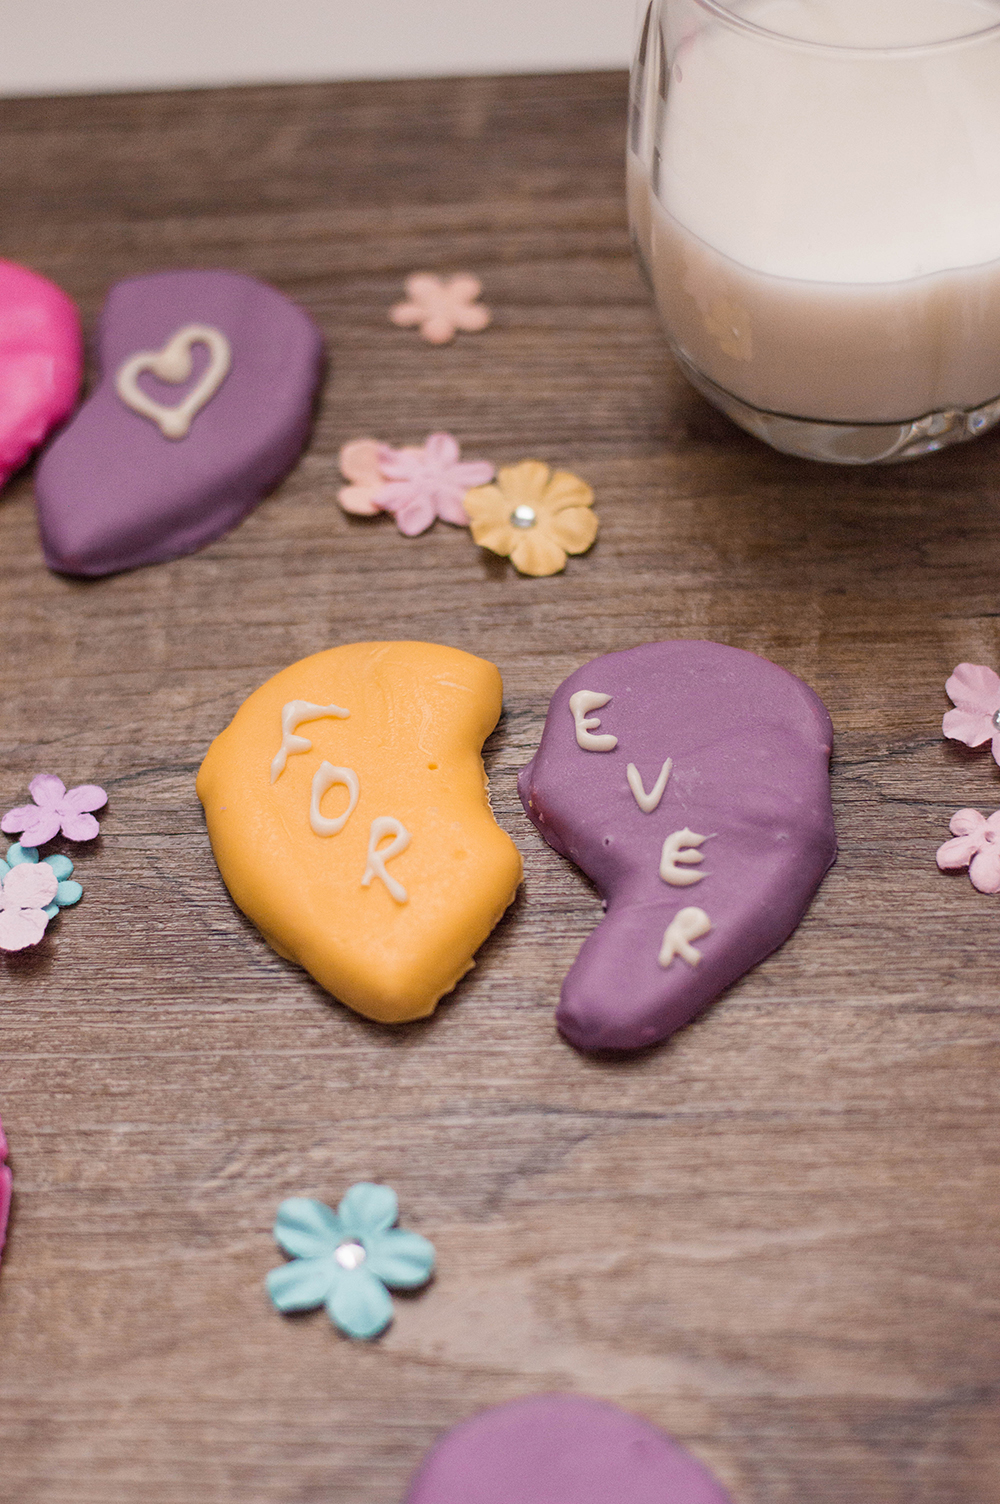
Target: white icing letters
[173, 363]
[583, 701]
[677, 849]
[324, 778]
[384, 826]
[294, 713]
[688, 925]
[648, 802]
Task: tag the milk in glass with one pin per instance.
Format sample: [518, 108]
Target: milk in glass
[822, 223]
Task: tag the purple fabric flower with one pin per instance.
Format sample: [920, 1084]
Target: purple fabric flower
[975, 693]
[53, 810]
[429, 482]
[25, 893]
[976, 846]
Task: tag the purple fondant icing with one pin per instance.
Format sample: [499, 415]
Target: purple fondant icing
[561, 1449]
[5, 1186]
[750, 750]
[113, 492]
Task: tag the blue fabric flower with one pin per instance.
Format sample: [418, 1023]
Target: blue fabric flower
[345, 1259]
[67, 892]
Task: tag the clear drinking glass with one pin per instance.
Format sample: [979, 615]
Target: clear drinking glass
[814, 194]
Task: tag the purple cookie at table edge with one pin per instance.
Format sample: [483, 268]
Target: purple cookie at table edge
[112, 492]
[5, 1190]
[750, 745]
[561, 1449]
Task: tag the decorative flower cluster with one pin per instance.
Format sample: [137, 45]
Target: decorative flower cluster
[527, 513]
[33, 889]
[974, 690]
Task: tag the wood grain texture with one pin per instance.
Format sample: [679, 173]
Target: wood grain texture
[777, 1236]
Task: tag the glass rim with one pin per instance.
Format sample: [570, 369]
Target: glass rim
[721, 10]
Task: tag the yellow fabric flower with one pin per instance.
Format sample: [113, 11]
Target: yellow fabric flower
[533, 516]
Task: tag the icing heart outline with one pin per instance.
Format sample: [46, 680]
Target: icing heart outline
[173, 363]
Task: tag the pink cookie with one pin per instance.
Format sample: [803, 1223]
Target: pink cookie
[41, 362]
[5, 1185]
[561, 1449]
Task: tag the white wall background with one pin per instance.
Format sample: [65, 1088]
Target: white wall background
[82, 46]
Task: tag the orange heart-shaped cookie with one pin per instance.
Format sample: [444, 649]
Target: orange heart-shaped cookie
[347, 809]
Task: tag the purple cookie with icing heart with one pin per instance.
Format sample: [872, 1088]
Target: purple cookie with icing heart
[5, 1188]
[690, 781]
[561, 1449]
[204, 402]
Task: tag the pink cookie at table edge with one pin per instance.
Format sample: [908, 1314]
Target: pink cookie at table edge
[561, 1449]
[6, 1182]
[41, 362]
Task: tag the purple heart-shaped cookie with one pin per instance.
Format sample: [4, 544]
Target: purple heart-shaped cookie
[41, 361]
[690, 781]
[561, 1449]
[207, 382]
[5, 1189]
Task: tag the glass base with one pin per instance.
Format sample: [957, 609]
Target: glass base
[848, 443]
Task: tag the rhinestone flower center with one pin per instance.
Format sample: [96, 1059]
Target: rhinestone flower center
[349, 1255]
[996, 720]
[523, 516]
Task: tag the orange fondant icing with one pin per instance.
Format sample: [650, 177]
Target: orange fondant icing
[418, 716]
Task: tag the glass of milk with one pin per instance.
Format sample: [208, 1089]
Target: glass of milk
[814, 193]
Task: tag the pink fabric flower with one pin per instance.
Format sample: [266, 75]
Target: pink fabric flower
[975, 693]
[53, 810]
[358, 462]
[976, 846]
[429, 482]
[24, 894]
[441, 306]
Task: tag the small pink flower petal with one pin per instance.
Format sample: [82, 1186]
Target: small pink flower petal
[463, 287]
[473, 319]
[422, 287]
[406, 315]
[450, 509]
[957, 853]
[85, 797]
[974, 687]
[16, 819]
[20, 928]
[984, 870]
[441, 450]
[965, 726]
[438, 330]
[399, 464]
[968, 822]
[413, 517]
[472, 473]
[358, 461]
[29, 885]
[77, 826]
[47, 789]
[35, 825]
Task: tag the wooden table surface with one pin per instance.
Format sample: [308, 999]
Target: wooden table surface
[777, 1235]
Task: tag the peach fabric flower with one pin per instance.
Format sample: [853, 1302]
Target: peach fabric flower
[440, 306]
[359, 464]
[533, 516]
